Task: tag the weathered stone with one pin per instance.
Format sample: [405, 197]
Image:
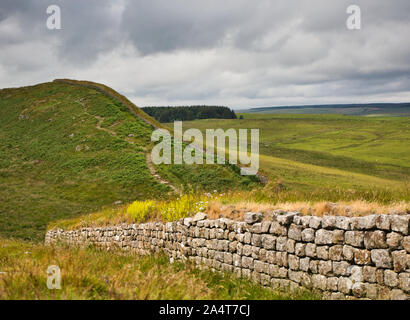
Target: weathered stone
[305, 221]
[381, 258]
[342, 223]
[308, 235]
[295, 276]
[319, 281]
[399, 260]
[237, 259]
[200, 216]
[282, 258]
[256, 252]
[359, 289]
[404, 281]
[265, 226]
[394, 240]
[338, 236]
[281, 243]
[228, 257]
[328, 222]
[380, 276]
[248, 237]
[348, 252]
[293, 262]
[233, 246]
[277, 229]
[400, 223]
[341, 268]
[337, 296]
[290, 246]
[260, 266]
[271, 257]
[256, 240]
[315, 222]
[383, 292]
[371, 290]
[268, 241]
[362, 257]
[354, 238]
[304, 264]
[406, 244]
[262, 255]
[314, 266]
[295, 232]
[335, 252]
[344, 285]
[253, 217]
[247, 262]
[310, 250]
[383, 222]
[372, 264]
[325, 267]
[332, 283]
[324, 237]
[375, 240]
[364, 223]
[300, 249]
[391, 278]
[256, 228]
[287, 218]
[397, 294]
[369, 274]
[187, 221]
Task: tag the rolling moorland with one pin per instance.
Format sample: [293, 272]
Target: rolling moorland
[330, 157]
[74, 154]
[368, 109]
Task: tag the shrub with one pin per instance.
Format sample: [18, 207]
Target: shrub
[141, 210]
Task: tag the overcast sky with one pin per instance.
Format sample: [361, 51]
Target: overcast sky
[239, 53]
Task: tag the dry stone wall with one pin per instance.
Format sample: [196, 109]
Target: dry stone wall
[342, 257]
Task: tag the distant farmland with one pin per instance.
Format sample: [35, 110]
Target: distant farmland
[371, 109]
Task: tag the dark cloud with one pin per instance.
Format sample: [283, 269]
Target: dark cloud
[236, 52]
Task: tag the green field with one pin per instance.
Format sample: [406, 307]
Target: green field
[67, 150]
[331, 156]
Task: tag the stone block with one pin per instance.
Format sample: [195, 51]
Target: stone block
[354, 238]
[381, 258]
[324, 237]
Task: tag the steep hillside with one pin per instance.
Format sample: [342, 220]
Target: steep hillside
[68, 148]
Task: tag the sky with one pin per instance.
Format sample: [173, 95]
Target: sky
[238, 53]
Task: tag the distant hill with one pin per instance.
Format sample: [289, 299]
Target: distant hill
[70, 147]
[369, 109]
[186, 113]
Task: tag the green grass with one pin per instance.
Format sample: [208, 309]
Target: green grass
[55, 162]
[330, 156]
[90, 273]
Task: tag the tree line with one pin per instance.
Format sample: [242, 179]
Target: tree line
[186, 113]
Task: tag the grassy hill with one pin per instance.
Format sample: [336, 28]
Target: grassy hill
[331, 157]
[68, 148]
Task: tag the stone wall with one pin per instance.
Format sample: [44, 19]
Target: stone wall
[344, 258]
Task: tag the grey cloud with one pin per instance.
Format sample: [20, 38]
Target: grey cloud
[238, 52]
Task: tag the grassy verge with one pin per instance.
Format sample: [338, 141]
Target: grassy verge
[231, 205]
[90, 273]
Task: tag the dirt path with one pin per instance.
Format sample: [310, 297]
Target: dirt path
[156, 175]
[129, 140]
